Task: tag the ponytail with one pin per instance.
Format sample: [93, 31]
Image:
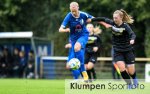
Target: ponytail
[125, 16]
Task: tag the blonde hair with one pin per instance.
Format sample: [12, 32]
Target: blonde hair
[89, 25]
[125, 16]
[74, 3]
[96, 30]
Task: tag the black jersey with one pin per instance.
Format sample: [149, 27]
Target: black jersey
[120, 40]
[93, 41]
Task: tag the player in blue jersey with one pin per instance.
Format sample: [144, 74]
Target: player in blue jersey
[76, 21]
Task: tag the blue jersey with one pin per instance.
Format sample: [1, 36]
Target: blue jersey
[77, 25]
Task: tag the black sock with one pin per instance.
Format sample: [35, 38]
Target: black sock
[133, 75]
[94, 73]
[89, 73]
[126, 77]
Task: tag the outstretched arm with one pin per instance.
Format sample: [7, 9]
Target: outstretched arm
[98, 19]
[107, 23]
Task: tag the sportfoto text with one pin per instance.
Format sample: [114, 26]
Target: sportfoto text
[109, 86]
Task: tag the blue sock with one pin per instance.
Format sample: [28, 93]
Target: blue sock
[80, 56]
[82, 68]
[76, 74]
[129, 86]
[135, 80]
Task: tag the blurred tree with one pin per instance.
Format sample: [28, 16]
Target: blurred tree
[45, 17]
[8, 10]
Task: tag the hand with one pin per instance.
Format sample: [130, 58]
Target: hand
[105, 24]
[132, 41]
[67, 30]
[61, 29]
[68, 45]
[95, 49]
[88, 20]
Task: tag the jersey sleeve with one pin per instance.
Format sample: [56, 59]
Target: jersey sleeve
[87, 15]
[130, 32]
[104, 19]
[65, 21]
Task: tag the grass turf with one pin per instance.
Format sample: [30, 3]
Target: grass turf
[32, 86]
[25, 86]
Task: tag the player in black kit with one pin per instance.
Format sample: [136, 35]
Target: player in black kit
[92, 50]
[122, 41]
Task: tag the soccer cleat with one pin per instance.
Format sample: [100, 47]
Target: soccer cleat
[85, 76]
[86, 81]
[90, 80]
[129, 86]
[135, 82]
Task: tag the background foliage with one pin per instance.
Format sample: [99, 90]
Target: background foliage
[45, 17]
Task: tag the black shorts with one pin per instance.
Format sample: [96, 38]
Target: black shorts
[90, 58]
[128, 57]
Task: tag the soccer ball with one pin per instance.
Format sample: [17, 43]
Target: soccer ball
[74, 63]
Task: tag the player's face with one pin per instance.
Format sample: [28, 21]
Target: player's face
[117, 19]
[74, 8]
[90, 28]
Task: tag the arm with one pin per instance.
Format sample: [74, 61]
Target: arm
[131, 34]
[98, 19]
[64, 23]
[115, 29]
[107, 23]
[103, 19]
[61, 29]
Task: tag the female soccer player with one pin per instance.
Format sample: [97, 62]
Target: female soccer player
[122, 43]
[76, 20]
[92, 50]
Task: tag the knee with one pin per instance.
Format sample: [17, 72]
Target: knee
[89, 66]
[122, 69]
[77, 47]
[131, 72]
[131, 69]
[121, 66]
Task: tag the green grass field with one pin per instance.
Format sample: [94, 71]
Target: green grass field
[32, 86]
[25, 86]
